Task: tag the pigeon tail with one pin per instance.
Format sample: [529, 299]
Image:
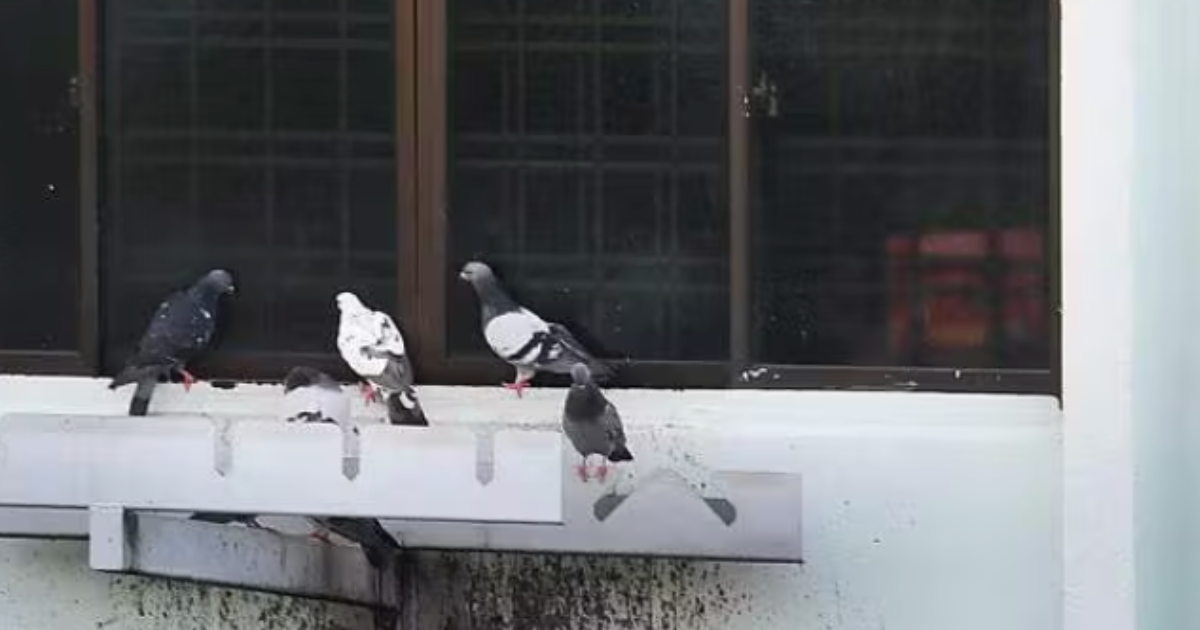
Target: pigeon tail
[620, 454]
[139, 404]
[134, 373]
[403, 408]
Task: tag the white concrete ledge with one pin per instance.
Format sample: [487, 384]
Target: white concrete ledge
[200, 464]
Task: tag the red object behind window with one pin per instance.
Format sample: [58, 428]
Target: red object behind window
[940, 304]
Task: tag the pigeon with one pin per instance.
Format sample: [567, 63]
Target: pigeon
[517, 335]
[371, 344]
[311, 395]
[592, 424]
[377, 544]
[181, 328]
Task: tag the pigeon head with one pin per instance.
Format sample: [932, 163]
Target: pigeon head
[347, 301]
[476, 273]
[218, 280]
[580, 374]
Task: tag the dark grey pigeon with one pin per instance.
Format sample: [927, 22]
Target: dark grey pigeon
[377, 544]
[181, 328]
[592, 424]
[520, 337]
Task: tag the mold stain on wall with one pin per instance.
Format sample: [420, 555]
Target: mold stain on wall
[496, 591]
[177, 605]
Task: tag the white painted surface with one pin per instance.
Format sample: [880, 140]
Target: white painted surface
[922, 511]
[274, 467]
[1097, 292]
[1166, 364]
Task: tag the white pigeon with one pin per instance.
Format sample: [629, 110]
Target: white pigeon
[371, 344]
[516, 334]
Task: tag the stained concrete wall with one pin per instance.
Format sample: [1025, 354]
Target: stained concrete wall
[48, 586]
[922, 512]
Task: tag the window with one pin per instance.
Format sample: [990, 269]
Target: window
[880, 200]
[719, 193]
[258, 136]
[40, 255]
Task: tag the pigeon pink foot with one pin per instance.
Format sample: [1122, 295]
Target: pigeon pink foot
[188, 380]
[582, 471]
[518, 387]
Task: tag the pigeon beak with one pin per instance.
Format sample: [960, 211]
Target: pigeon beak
[462, 275]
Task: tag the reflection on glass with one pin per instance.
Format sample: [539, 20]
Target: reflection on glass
[901, 183]
[39, 187]
[259, 139]
[586, 164]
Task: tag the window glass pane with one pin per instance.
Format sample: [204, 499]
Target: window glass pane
[39, 181]
[901, 183]
[587, 166]
[254, 136]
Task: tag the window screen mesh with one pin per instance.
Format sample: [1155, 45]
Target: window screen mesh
[256, 135]
[902, 182]
[586, 163]
[39, 181]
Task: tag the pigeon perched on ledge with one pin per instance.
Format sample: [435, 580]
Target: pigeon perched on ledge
[592, 424]
[520, 337]
[310, 395]
[371, 344]
[181, 328]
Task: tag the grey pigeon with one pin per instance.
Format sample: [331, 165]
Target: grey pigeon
[592, 424]
[181, 328]
[310, 395]
[520, 337]
[317, 397]
[371, 344]
[377, 544]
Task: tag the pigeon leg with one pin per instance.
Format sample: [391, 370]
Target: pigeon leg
[581, 469]
[322, 535]
[188, 379]
[368, 392]
[602, 471]
[518, 387]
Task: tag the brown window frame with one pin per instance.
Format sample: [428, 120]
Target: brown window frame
[421, 67]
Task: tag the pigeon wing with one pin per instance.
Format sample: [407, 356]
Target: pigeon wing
[517, 336]
[179, 329]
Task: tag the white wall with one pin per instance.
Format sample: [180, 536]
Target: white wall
[923, 512]
[1166, 204]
